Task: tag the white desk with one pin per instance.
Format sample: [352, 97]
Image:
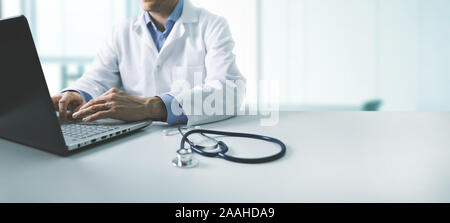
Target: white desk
[332, 157]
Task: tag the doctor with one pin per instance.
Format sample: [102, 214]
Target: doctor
[135, 74]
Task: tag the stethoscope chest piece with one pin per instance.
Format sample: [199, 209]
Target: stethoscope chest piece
[185, 159]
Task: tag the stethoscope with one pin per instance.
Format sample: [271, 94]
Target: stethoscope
[218, 149]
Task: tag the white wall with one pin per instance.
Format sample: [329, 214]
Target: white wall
[10, 8]
[75, 28]
[398, 53]
[434, 55]
[324, 49]
[344, 52]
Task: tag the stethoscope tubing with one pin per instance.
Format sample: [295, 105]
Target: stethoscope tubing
[223, 148]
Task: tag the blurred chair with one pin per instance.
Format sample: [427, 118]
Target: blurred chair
[374, 105]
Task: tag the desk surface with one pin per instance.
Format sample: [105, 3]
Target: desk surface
[332, 157]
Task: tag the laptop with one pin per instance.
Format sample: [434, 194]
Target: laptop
[27, 114]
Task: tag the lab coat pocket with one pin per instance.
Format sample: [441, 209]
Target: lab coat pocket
[191, 75]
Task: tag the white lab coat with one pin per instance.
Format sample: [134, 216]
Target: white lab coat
[200, 43]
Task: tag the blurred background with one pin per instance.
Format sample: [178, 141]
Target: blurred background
[388, 55]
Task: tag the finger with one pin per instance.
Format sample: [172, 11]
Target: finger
[91, 110]
[104, 98]
[93, 102]
[74, 110]
[55, 101]
[77, 108]
[62, 105]
[72, 106]
[98, 116]
[113, 91]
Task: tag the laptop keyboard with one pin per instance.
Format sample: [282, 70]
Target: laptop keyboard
[82, 131]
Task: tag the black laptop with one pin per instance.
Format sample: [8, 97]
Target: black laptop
[27, 115]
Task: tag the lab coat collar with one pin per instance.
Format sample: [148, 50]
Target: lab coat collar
[140, 27]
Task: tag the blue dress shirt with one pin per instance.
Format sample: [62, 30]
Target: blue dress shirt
[159, 39]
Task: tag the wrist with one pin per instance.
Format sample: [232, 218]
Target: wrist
[156, 109]
[72, 92]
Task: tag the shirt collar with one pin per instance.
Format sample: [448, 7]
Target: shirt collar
[176, 14]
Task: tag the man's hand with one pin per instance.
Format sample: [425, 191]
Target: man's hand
[119, 105]
[67, 101]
